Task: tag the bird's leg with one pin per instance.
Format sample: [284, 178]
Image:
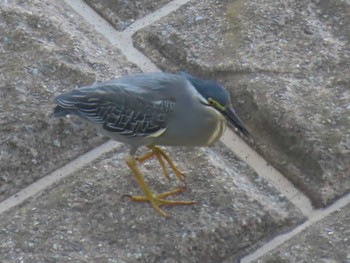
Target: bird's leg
[159, 154]
[155, 200]
[151, 154]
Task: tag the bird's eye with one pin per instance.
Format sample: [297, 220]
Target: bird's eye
[211, 101]
[216, 104]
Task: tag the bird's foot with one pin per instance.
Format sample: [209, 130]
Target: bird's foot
[160, 155]
[158, 200]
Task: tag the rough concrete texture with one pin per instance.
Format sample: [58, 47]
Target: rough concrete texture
[45, 50]
[286, 64]
[85, 219]
[122, 13]
[327, 241]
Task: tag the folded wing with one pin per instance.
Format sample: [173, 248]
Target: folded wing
[117, 107]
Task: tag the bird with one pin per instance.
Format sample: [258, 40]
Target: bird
[154, 109]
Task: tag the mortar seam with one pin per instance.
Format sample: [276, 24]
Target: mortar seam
[315, 217]
[58, 174]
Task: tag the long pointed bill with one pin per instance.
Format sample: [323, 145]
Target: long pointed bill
[232, 117]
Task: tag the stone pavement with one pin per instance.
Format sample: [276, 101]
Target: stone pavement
[286, 66]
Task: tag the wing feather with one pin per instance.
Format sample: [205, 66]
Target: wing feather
[118, 109]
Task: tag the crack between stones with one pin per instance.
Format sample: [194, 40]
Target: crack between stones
[268, 172]
[315, 216]
[64, 171]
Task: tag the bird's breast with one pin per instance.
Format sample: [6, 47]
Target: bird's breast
[215, 127]
[198, 127]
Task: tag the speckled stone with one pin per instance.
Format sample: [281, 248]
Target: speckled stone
[122, 13]
[286, 64]
[45, 49]
[328, 241]
[84, 217]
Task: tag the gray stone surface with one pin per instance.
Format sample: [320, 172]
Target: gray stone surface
[328, 241]
[286, 64]
[84, 218]
[122, 13]
[45, 49]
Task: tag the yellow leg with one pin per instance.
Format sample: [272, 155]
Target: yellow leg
[149, 155]
[159, 154]
[155, 200]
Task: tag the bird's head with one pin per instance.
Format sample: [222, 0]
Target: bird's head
[216, 96]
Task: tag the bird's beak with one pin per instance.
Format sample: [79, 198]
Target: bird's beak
[232, 117]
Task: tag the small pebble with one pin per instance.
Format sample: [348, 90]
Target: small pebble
[34, 71]
[56, 143]
[198, 19]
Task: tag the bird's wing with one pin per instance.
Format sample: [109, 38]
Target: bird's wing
[117, 107]
[155, 85]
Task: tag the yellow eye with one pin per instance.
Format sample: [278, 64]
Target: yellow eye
[216, 104]
[211, 101]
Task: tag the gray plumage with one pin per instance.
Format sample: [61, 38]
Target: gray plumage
[150, 109]
[117, 108]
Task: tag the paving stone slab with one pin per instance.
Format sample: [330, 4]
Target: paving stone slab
[328, 241]
[121, 13]
[84, 218]
[45, 50]
[286, 64]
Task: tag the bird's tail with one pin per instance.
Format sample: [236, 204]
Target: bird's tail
[66, 103]
[58, 111]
